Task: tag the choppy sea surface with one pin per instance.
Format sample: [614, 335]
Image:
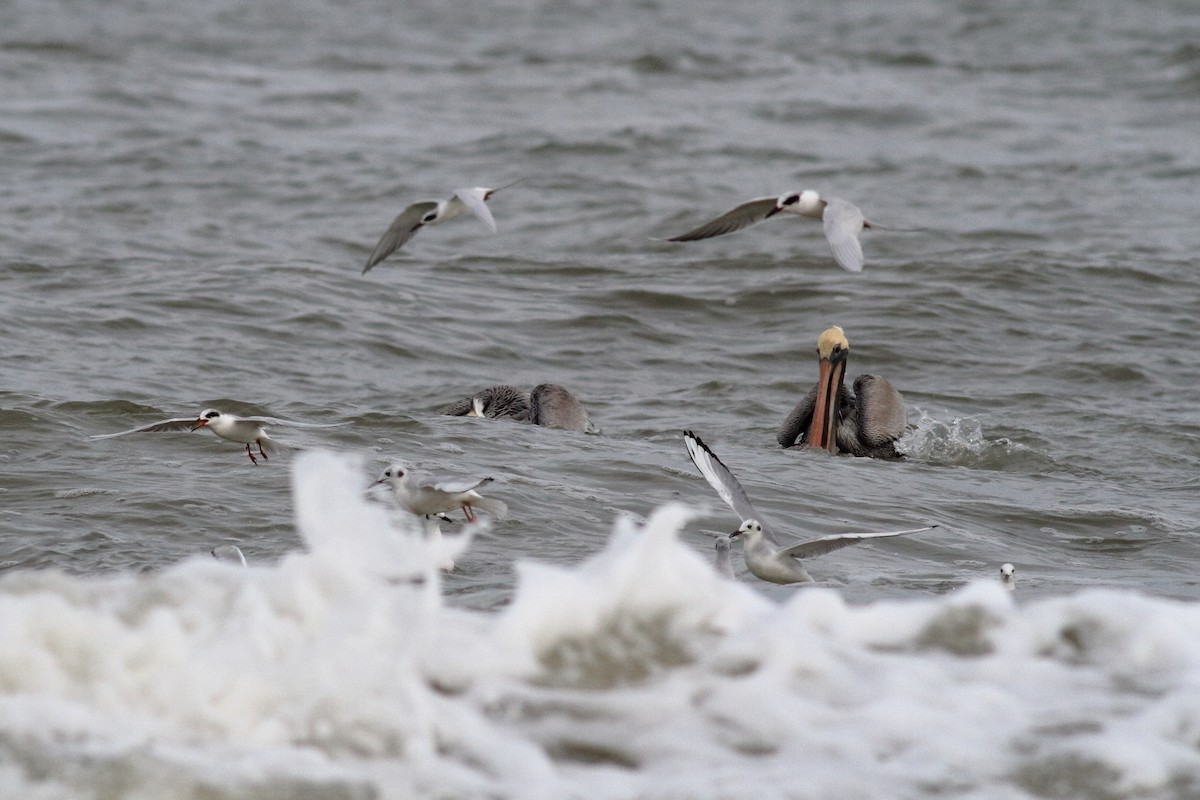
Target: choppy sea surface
[191, 191]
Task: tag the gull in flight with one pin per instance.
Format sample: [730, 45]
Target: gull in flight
[765, 558]
[433, 212]
[424, 497]
[243, 430]
[842, 221]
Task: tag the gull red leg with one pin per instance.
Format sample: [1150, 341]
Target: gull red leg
[261, 452]
[252, 458]
[467, 510]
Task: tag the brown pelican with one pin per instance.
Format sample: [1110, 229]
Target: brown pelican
[866, 422]
[548, 405]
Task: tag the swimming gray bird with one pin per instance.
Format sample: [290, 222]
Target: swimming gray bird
[841, 219]
[548, 405]
[496, 402]
[433, 212]
[243, 430]
[426, 497]
[866, 422]
[764, 558]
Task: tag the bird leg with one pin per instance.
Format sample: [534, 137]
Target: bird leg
[261, 452]
[252, 458]
[467, 510]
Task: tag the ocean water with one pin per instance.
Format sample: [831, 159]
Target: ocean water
[191, 193]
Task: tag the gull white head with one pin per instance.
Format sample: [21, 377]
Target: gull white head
[751, 530]
[1008, 576]
[395, 475]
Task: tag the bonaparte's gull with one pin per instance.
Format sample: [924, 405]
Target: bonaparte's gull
[1008, 576]
[548, 405]
[433, 212]
[759, 545]
[229, 553]
[842, 221]
[425, 497]
[867, 422]
[243, 430]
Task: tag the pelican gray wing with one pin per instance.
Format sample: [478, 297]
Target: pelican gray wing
[878, 419]
[721, 479]
[842, 222]
[836, 541]
[474, 199]
[796, 424]
[743, 216]
[176, 424]
[401, 230]
[552, 406]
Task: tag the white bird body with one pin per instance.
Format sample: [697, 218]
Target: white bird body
[243, 430]
[433, 212]
[764, 558]
[425, 497]
[841, 219]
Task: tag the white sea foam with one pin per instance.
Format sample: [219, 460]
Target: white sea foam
[339, 672]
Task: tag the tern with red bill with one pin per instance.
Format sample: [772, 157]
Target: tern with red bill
[243, 430]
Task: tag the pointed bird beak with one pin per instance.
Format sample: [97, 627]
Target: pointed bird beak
[200, 423]
[822, 432]
[774, 211]
[736, 533]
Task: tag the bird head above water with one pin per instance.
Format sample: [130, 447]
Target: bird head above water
[750, 529]
[207, 417]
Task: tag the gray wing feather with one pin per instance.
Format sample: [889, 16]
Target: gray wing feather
[743, 216]
[177, 424]
[723, 481]
[293, 423]
[836, 541]
[797, 422]
[842, 222]
[400, 231]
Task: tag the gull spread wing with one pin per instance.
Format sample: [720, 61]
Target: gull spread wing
[843, 221]
[836, 541]
[293, 423]
[177, 424]
[743, 216]
[474, 200]
[401, 230]
[723, 481]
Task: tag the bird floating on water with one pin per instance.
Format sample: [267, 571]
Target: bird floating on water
[433, 212]
[841, 219]
[425, 497]
[548, 405]
[243, 430]
[760, 547]
[867, 422]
